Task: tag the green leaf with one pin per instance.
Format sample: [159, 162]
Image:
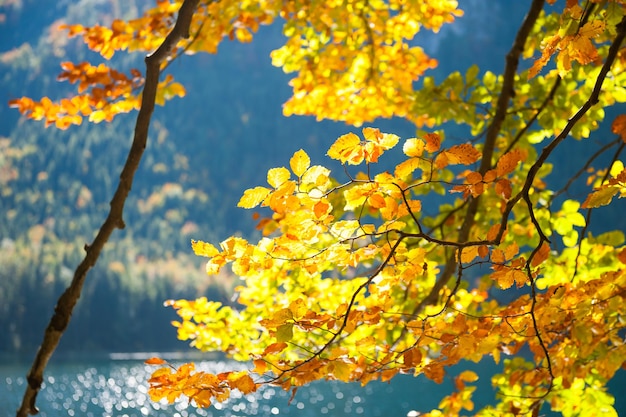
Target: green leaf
[471, 74]
[613, 238]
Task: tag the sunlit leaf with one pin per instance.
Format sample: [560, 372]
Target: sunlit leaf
[347, 149]
[601, 197]
[203, 249]
[253, 197]
[414, 147]
[299, 163]
[277, 176]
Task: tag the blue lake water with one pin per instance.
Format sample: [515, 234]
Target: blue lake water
[116, 386]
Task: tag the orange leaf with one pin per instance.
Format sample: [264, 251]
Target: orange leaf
[503, 278]
[621, 255]
[503, 188]
[541, 255]
[320, 209]
[155, 361]
[619, 126]
[469, 253]
[468, 376]
[493, 232]
[377, 200]
[490, 175]
[433, 142]
[511, 251]
[412, 357]
[274, 348]
[508, 162]
[434, 371]
[497, 256]
[242, 381]
[473, 177]
[464, 154]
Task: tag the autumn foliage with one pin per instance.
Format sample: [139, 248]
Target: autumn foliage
[463, 250]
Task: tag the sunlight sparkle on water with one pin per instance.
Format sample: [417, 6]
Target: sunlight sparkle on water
[119, 388]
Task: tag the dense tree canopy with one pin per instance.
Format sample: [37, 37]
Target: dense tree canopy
[424, 252]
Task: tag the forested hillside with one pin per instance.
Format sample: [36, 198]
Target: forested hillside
[55, 186]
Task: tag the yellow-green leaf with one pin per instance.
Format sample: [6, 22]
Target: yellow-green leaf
[284, 333]
[601, 197]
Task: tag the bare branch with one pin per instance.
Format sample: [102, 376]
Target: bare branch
[67, 301]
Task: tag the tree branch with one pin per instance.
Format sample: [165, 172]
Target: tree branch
[508, 88]
[593, 99]
[65, 305]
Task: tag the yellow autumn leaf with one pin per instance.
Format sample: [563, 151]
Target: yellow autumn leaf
[299, 162]
[504, 278]
[201, 248]
[406, 168]
[253, 197]
[176, 89]
[277, 176]
[413, 147]
[468, 376]
[347, 149]
[377, 143]
[243, 35]
[340, 370]
[97, 116]
[469, 253]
